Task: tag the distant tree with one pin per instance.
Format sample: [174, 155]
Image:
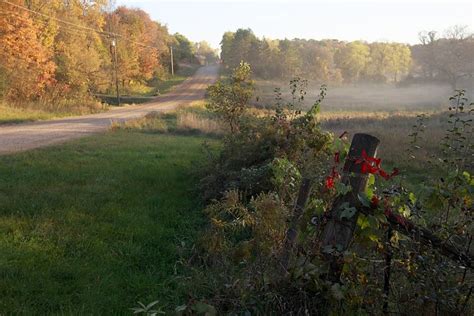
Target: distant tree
[290, 58]
[205, 50]
[317, 61]
[226, 47]
[401, 61]
[388, 61]
[243, 42]
[352, 59]
[447, 58]
[455, 55]
[424, 53]
[183, 48]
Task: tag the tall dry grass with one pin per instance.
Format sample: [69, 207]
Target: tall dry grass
[393, 130]
[192, 120]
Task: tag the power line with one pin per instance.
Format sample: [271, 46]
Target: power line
[115, 35]
[59, 20]
[69, 30]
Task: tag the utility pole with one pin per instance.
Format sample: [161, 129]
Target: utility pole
[172, 62]
[114, 51]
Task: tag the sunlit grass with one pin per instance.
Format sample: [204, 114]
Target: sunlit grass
[10, 114]
[193, 119]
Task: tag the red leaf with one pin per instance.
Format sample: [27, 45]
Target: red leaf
[383, 174]
[374, 202]
[329, 182]
[395, 172]
[363, 168]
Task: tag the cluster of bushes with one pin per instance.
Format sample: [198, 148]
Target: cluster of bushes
[243, 263]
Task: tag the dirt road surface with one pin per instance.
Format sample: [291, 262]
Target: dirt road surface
[21, 137]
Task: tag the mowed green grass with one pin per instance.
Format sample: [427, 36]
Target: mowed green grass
[93, 226]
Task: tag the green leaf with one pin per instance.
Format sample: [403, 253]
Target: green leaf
[180, 308]
[342, 189]
[404, 210]
[347, 211]
[370, 186]
[364, 199]
[363, 222]
[203, 308]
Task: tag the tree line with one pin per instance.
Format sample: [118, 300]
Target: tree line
[67, 48]
[437, 58]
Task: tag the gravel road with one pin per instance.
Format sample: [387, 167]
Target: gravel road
[21, 137]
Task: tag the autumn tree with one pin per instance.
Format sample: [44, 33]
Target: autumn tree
[60, 50]
[26, 63]
[388, 61]
[352, 59]
[140, 45]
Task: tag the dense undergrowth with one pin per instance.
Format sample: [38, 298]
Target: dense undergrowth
[252, 185]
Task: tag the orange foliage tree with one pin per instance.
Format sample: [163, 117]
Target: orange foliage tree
[26, 62]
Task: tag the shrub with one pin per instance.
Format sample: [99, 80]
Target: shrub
[253, 185]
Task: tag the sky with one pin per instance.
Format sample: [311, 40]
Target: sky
[369, 20]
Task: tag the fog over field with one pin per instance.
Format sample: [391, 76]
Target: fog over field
[367, 97]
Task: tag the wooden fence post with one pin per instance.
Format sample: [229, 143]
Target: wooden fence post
[338, 232]
[292, 232]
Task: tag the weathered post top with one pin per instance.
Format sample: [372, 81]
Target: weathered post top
[338, 231]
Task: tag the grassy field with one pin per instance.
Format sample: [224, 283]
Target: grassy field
[388, 112]
[93, 226]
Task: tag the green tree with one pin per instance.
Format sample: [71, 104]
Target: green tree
[290, 58]
[206, 52]
[226, 47]
[229, 98]
[353, 59]
[183, 49]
